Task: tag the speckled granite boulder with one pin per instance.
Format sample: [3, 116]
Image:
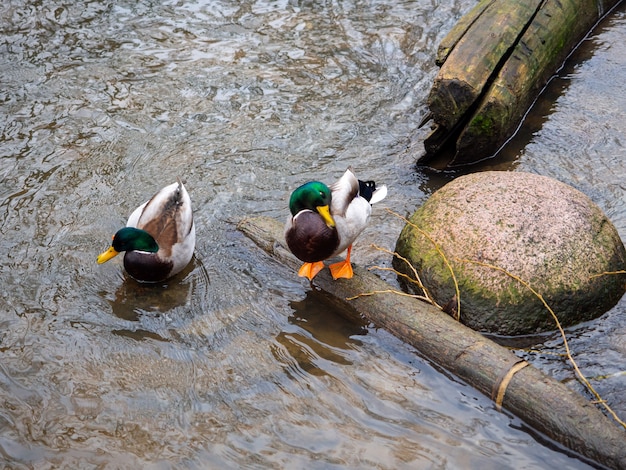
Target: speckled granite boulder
[543, 231]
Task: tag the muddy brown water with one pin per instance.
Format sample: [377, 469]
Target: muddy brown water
[237, 362]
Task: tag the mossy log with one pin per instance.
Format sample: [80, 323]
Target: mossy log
[545, 404]
[493, 64]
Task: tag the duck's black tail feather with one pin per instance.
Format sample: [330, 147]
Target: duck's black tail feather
[368, 190]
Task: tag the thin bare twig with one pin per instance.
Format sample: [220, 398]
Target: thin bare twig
[607, 273]
[387, 291]
[417, 280]
[443, 256]
[580, 375]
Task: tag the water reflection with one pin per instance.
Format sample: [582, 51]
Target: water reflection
[323, 329]
[132, 298]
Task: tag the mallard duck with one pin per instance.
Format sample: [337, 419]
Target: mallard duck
[159, 237]
[325, 221]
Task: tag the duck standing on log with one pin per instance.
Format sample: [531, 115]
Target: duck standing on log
[159, 237]
[325, 221]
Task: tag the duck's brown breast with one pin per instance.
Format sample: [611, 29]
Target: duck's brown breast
[310, 239]
[147, 267]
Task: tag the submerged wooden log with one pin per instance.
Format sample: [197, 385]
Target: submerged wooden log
[543, 403]
[493, 64]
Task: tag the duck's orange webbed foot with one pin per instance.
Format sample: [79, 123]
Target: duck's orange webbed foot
[342, 269]
[310, 270]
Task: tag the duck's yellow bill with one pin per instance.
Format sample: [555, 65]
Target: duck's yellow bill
[107, 255]
[325, 213]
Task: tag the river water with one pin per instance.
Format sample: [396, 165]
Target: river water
[236, 362]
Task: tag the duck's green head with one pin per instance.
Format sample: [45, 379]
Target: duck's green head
[314, 196]
[129, 239]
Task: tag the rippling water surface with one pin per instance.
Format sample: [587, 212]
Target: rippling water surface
[236, 362]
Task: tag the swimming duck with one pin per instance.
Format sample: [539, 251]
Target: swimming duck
[159, 237]
[326, 220]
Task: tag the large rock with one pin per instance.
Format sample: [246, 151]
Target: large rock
[543, 231]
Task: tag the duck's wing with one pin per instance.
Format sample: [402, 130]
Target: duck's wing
[168, 216]
[133, 220]
[343, 192]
